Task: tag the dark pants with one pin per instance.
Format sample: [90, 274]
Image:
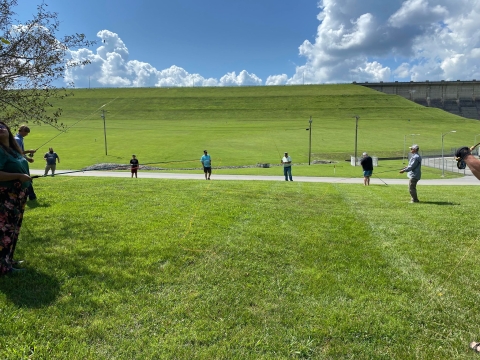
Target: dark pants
[287, 171]
[412, 188]
[31, 193]
[12, 206]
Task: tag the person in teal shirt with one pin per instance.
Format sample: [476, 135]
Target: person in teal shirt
[207, 164]
[14, 182]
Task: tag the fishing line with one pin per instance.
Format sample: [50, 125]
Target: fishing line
[64, 131]
[103, 168]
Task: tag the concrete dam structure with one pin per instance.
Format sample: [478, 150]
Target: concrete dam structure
[461, 98]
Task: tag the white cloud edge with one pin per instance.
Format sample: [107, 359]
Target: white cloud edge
[442, 42]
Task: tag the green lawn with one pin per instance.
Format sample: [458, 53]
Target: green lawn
[157, 269]
[242, 126]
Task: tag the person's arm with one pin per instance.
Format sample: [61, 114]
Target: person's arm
[6, 176]
[473, 164]
[414, 162]
[58, 158]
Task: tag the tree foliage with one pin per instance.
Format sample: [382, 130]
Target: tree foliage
[32, 58]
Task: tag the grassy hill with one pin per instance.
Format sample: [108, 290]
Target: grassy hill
[243, 126]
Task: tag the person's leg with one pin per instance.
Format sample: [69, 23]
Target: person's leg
[290, 173]
[53, 167]
[136, 176]
[205, 172]
[364, 181]
[368, 180]
[412, 188]
[31, 193]
[17, 219]
[285, 173]
[209, 173]
[46, 170]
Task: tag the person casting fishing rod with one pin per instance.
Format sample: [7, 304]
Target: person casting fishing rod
[465, 158]
[23, 131]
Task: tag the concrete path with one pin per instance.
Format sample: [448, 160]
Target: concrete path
[467, 180]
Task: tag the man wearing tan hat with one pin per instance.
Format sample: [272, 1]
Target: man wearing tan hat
[414, 170]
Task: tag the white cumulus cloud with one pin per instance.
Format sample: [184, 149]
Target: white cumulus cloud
[110, 66]
[375, 40]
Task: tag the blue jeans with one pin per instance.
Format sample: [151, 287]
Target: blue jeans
[287, 171]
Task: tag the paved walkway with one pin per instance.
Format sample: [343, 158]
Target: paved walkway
[467, 180]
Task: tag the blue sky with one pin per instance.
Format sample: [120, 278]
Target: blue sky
[265, 42]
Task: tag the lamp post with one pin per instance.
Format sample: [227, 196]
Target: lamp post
[104, 130]
[475, 142]
[310, 140]
[443, 162]
[404, 144]
[356, 136]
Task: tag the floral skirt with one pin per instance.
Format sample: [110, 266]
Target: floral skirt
[12, 206]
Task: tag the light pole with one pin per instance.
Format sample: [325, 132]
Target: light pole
[475, 142]
[356, 136]
[443, 162]
[310, 140]
[404, 144]
[104, 130]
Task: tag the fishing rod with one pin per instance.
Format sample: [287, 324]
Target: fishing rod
[106, 168]
[99, 168]
[167, 162]
[64, 131]
[382, 172]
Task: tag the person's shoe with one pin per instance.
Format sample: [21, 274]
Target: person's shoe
[17, 262]
[32, 199]
[414, 201]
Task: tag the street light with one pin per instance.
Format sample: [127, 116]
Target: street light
[475, 142]
[104, 129]
[443, 162]
[356, 135]
[404, 144]
[310, 140]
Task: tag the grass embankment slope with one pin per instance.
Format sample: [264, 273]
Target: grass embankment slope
[157, 269]
[243, 126]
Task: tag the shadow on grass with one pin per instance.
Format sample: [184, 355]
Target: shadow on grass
[33, 204]
[439, 203]
[30, 288]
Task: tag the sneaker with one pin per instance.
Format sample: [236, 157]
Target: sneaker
[17, 262]
[414, 201]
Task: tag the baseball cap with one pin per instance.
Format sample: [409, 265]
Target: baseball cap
[364, 154]
[414, 147]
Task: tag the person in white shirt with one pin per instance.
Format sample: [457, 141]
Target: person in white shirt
[287, 167]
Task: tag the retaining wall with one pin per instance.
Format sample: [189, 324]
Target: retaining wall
[457, 97]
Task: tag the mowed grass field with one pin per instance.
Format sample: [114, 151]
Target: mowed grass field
[170, 128]
[158, 269]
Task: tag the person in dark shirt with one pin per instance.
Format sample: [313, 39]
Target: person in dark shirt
[134, 164]
[367, 165]
[51, 158]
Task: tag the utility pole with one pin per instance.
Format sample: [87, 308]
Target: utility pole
[104, 130]
[310, 141]
[356, 136]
